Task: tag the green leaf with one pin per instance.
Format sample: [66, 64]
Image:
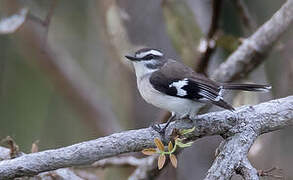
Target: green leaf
[187, 131]
[182, 145]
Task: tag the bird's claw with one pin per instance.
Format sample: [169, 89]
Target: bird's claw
[158, 128]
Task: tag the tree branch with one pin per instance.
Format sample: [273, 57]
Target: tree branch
[253, 50]
[234, 151]
[245, 123]
[64, 173]
[120, 161]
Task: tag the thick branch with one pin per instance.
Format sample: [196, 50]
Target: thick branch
[234, 151]
[64, 173]
[251, 53]
[260, 118]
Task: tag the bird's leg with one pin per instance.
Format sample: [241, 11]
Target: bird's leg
[160, 130]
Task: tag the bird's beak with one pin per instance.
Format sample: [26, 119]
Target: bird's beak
[132, 58]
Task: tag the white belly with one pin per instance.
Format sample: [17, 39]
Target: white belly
[179, 106]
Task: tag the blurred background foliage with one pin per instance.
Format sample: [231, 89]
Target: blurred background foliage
[58, 109]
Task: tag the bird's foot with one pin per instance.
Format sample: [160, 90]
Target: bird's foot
[158, 128]
[184, 116]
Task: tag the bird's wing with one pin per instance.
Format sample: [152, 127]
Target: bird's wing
[183, 83]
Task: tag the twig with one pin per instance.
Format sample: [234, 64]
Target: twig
[245, 123]
[269, 172]
[13, 147]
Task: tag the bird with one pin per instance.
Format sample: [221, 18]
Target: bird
[170, 85]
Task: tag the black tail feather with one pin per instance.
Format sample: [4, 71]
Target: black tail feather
[223, 104]
[247, 87]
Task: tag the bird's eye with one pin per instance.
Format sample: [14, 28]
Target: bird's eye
[149, 57]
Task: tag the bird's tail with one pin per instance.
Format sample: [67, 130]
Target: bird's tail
[247, 87]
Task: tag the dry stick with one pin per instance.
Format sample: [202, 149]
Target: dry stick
[265, 117]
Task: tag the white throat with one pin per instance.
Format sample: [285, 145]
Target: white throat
[141, 70]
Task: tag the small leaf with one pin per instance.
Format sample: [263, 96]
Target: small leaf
[170, 146]
[161, 161]
[173, 160]
[187, 131]
[159, 144]
[182, 145]
[149, 151]
[189, 144]
[35, 148]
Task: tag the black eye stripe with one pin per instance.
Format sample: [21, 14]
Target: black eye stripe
[150, 56]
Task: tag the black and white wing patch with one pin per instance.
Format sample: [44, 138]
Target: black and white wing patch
[186, 88]
[190, 89]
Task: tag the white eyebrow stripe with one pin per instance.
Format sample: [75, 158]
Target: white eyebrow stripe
[154, 52]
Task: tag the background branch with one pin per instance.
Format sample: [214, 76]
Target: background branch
[254, 49]
[209, 42]
[66, 74]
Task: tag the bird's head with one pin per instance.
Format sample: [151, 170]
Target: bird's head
[147, 60]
